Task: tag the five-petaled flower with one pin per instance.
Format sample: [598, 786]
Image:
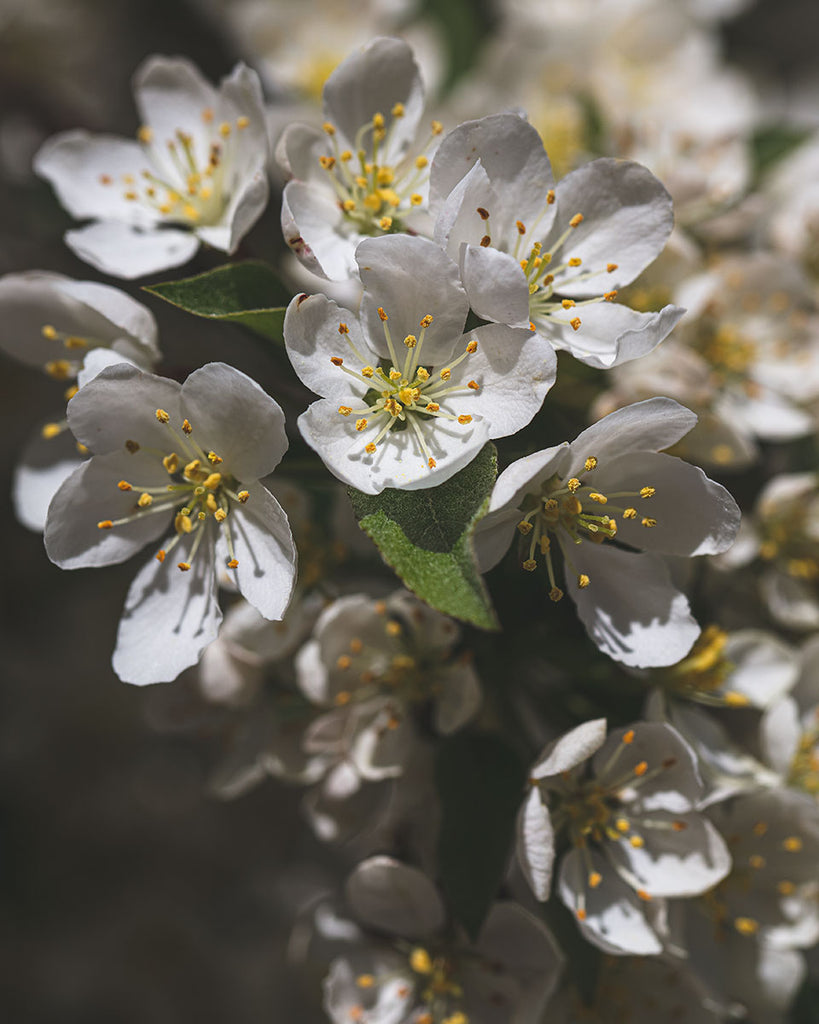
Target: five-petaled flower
[181, 463]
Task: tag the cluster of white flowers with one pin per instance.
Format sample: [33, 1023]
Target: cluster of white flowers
[458, 291]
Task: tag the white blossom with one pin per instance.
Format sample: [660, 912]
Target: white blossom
[195, 174]
[408, 399]
[182, 463]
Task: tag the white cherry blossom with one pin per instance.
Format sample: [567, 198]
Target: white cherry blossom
[551, 255]
[408, 399]
[362, 175]
[182, 463]
[610, 485]
[195, 174]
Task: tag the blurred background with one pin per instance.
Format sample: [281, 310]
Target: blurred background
[128, 893]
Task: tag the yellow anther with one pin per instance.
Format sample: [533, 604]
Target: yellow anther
[191, 212]
[327, 162]
[416, 199]
[130, 195]
[525, 528]
[679, 826]
[568, 303]
[785, 888]
[214, 459]
[735, 700]
[464, 419]
[378, 120]
[473, 385]
[611, 267]
[641, 768]
[50, 430]
[436, 127]
[637, 842]
[183, 566]
[392, 407]
[369, 448]
[646, 896]
[407, 396]
[365, 981]
[757, 862]
[550, 196]
[648, 523]
[573, 484]
[212, 481]
[183, 523]
[545, 545]
[610, 296]
[59, 369]
[336, 360]
[145, 500]
[760, 828]
[580, 914]
[432, 407]
[69, 392]
[348, 205]
[220, 515]
[422, 373]
[124, 485]
[145, 134]
[583, 581]
[105, 524]
[445, 374]
[394, 374]
[472, 346]
[385, 176]
[628, 736]
[421, 162]
[242, 122]
[486, 241]
[243, 496]
[420, 961]
[590, 464]
[329, 128]
[361, 424]
[521, 227]
[426, 321]
[746, 925]
[629, 513]
[74, 342]
[224, 129]
[595, 878]
[410, 341]
[793, 844]
[575, 323]
[186, 426]
[343, 661]
[49, 332]
[233, 563]
[160, 555]
[647, 492]
[431, 462]
[385, 223]
[601, 499]
[482, 212]
[529, 565]
[367, 371]
[105, 179]
[577, 219]
[210, 502]
[344, 410]
[192, 468]
[622, 825]
[382, 315]
[162, 416]
[556, 594]
[171, 462]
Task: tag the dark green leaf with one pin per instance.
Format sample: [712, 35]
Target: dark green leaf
[425, 536]
[480, 782]
[241, 293]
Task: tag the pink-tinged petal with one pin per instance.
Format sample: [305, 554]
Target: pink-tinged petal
[315, 229]
[371, 82]
[410, 278]
[526, 476]
[535, 844]
[610, 914]
[610, 333]
[630, 608]
[496, 285]
[693, 514]
[647, 426]
[627, 218]
[312, 339]
[90, 496]
[119, 405]
[394, 898]
[515, 370]
[92, 173]
[570, 750]
[233, 417]
[123, 250]
[171, 95]
[513, 157]
[170, 616]
[263, 546]
[46, 463]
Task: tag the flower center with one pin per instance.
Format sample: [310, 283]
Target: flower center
[702, 675]
[572, 512]
[789, 536]
[376, 196]
[405, 393]
[186, 180]
[197, 493]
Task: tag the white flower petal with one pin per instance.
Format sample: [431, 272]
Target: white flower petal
[411, 277]
[495, 284]
[779, 734]
[627, 218]
[312, 339]
[123, 250]
[630, 608]
[525, 477]
[570, 750]
[247, 203]
[233, 416]
[394, 898]
[535, 844]
[131, 325]
[171, 95]
[169, 618]
[459, 698]
[45, 464]
[764, 668]
[610, 333]
[694, 515]
[264, 549]
[314, 228]
[493, 537]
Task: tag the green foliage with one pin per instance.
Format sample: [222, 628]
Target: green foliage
[240, 293]
[425, 536]
[480, 782]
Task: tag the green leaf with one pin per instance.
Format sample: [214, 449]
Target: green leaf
[480, 781]
[240, 293]
[425, 536]
[771, 143]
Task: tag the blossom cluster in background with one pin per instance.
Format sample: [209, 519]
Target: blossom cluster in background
[505, 558]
